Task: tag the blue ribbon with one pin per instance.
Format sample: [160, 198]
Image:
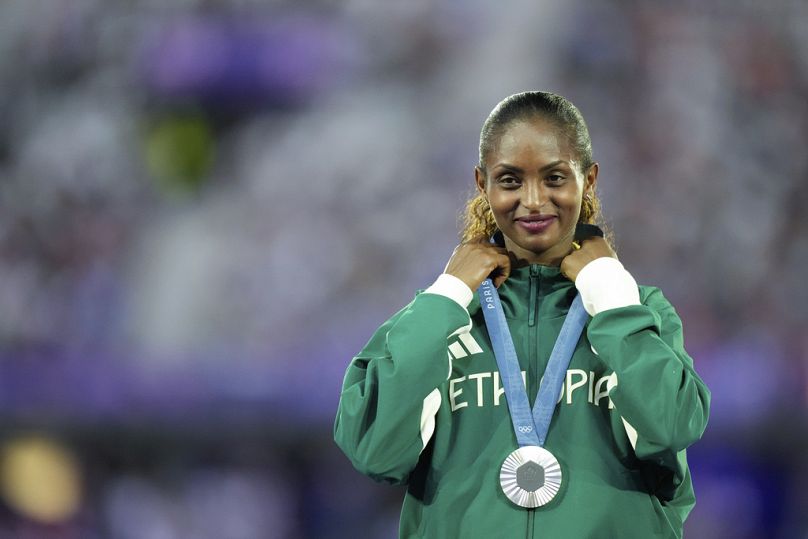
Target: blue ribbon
[530, 428]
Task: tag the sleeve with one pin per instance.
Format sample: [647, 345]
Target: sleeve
[390, 393]
[663, 402]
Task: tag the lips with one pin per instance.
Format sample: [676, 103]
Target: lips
[536, 223]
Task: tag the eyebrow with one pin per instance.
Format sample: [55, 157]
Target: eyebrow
[554, 164]
[513, 168]
[508, 167]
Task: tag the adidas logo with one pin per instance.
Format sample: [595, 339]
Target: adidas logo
[464, 346]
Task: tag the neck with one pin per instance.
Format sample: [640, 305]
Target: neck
[550, 257]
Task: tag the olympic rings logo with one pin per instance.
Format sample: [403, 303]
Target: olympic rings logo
[525, 428]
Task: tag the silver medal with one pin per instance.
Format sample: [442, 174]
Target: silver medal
[530, 476]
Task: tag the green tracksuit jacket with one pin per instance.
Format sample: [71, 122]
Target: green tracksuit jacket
[422, 404]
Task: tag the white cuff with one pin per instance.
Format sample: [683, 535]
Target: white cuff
[605, 284]
[453, 288]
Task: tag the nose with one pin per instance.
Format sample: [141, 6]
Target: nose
[534, 195]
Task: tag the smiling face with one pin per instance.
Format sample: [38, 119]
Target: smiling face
[534, 185]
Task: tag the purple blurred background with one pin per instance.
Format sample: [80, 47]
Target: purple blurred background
[207, 207]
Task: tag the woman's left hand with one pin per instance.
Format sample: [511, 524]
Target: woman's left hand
[591, 248]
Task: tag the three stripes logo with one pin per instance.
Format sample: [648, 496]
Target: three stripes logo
[464, 346]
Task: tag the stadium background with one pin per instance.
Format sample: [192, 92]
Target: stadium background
[206, 207]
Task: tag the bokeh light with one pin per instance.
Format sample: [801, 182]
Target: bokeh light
[180, 152]
[40, 479]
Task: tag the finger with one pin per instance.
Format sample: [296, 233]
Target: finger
[505, 264]
[598, 247]
[594, 240]
[568, 268]
[503, 270]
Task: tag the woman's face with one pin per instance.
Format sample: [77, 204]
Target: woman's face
[534, 186]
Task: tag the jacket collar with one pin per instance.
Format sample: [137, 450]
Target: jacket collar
[517, 287]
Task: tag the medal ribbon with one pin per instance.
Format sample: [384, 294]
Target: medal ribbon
[530, 428]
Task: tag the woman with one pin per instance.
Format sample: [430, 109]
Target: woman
[426, 404]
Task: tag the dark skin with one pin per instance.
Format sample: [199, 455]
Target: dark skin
[534, 185]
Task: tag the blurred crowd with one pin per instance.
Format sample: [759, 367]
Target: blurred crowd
[207, 206]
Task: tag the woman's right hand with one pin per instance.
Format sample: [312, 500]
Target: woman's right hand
[474, 262]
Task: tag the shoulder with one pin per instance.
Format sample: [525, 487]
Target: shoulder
[653, 298]
[653, 295]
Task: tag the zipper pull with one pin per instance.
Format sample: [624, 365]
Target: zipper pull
[533, 304]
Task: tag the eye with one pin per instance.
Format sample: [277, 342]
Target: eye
[555, 179]
[508, 181]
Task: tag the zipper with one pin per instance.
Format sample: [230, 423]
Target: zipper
[533, 304]
[533, 333]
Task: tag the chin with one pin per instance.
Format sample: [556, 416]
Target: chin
[535, 245]
[533, 242]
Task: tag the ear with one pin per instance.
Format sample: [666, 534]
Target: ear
[591, 179]
[479, 179]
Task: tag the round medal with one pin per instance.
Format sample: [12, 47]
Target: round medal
[530, 476]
